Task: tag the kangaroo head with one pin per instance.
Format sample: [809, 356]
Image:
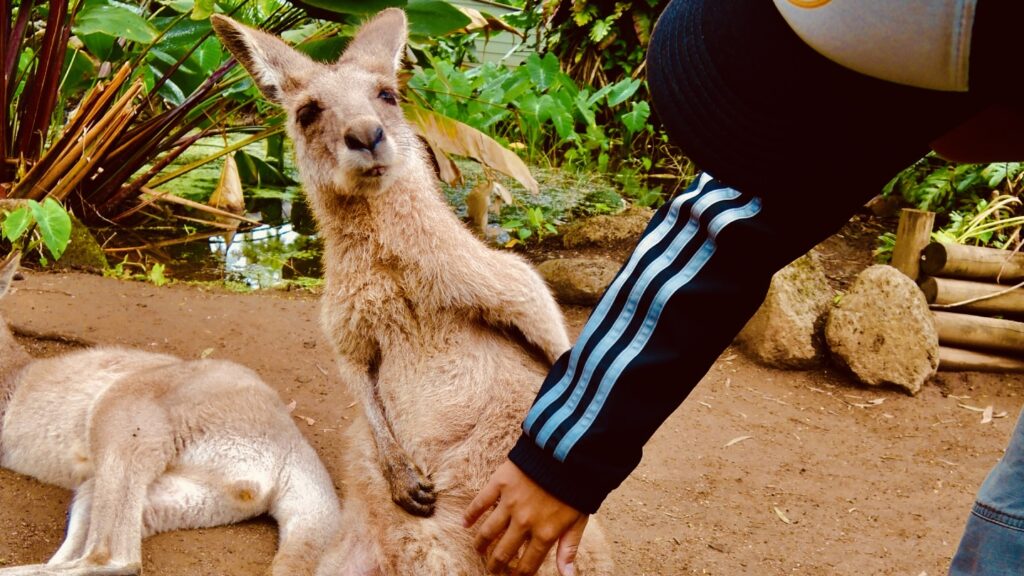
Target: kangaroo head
[349, 133]
[8, 268]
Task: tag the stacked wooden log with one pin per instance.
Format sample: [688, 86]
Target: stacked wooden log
[977, 297]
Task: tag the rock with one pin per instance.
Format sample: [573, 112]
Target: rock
[578, 280]
[786, 330]
[607, 231]
[883, 331]
[83, 251]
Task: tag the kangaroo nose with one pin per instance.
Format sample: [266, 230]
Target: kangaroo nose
[365, 137]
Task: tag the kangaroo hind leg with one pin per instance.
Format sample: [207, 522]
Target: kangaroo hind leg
[131, 441]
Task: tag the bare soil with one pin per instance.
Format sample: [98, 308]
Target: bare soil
[759, 472]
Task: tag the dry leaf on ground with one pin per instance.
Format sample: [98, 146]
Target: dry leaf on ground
[737, 440]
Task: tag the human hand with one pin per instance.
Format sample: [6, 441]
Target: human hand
[527, 514]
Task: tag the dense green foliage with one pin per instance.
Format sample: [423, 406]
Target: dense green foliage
[976, 204]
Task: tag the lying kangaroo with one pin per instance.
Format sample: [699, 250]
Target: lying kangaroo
[151, 443]
[443, 341]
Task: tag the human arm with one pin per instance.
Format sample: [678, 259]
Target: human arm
[699, 272]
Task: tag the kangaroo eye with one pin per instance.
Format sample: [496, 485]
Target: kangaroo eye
[308, 113]
[389, 96]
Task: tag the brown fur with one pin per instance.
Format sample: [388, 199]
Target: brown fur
[428, 324]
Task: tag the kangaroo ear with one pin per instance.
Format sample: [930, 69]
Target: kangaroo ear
[8, 268]
[273, 64]
[380, 43]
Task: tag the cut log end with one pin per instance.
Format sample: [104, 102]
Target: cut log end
[933, 258]
[930, 288]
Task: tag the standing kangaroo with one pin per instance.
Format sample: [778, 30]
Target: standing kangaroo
[151, 443]
[442, 341]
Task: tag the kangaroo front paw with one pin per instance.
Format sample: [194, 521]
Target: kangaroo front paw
[410, 487]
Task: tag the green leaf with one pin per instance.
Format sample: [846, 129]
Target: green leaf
[564, 124]
[202, 9]
[115, 21]
[542, 71]
[15, 224]
[253, 170]
[54, 225]
[434, 18]
[180, 6]
[622, 90]
[324, 50]
[636, 119]
[79, 72]
[547, 107]
[599, 30]
[156, 275]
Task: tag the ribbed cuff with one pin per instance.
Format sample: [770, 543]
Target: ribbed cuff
[576, 487]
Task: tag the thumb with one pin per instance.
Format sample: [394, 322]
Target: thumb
[568, 545]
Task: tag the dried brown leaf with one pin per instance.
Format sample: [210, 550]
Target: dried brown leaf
[228, 195]
[449, 136]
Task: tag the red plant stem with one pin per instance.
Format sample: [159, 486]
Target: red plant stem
[35, 107]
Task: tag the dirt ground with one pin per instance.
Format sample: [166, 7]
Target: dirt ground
[759, 472]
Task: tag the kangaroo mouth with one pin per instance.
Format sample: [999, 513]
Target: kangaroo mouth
[375, 172]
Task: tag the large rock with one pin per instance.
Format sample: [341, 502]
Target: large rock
[608, 231]
[883, 331]
[578, 280]
[786, 330]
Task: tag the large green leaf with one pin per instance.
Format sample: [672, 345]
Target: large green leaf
[636, 119]
[434, 18]
[622, 90]
[115, 21]
[324, 50]
[54, 225]
[15, 224]
[426, 17]
[542, 71]
[255, 171]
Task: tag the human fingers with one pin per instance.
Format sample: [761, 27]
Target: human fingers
[492, 527]
[507, 549]
[486, 498]
[533, 556]
[568, 546]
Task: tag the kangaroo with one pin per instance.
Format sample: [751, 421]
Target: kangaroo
[442, 341]
[151, 443]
